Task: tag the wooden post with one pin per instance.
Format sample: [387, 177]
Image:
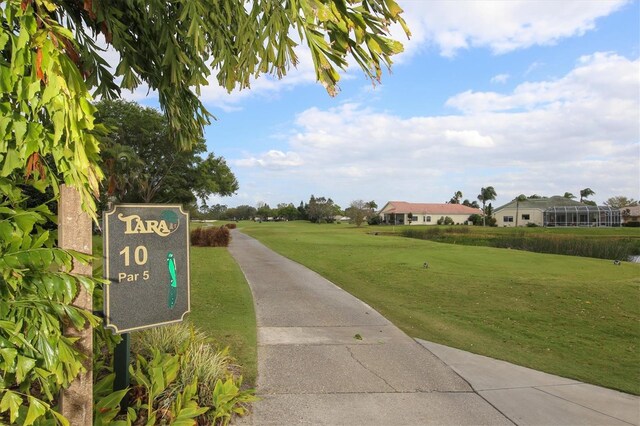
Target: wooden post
[74, 232]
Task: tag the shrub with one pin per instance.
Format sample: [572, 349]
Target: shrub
[532, 225]
[374, 220]
[231, 225]
[196, 236]
[195, 370]
[211, 237]
[475, 219]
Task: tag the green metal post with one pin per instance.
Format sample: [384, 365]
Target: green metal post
[121, 360]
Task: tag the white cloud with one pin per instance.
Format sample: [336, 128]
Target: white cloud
[272, 159]
[500, 78]
[469, 138]
[502, 26]
[591, 80]
[544, 137]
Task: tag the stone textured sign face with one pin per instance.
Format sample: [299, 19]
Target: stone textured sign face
[146, 259]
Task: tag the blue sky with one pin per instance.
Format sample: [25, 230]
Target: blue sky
[528, 97]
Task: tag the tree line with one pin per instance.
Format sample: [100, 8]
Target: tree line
[317, 210]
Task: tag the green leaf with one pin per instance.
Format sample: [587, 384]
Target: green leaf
[9, 356]
[25, 364]
[11, 162]
[25, 221]
[36, 409]
[60, 418]
[19, 130]
[12, 402]
[107, 408]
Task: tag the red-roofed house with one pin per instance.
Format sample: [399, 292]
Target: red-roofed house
[403, 213]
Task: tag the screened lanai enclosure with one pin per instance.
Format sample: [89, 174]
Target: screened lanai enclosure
[581, 216]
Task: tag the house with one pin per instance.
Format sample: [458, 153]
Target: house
[630, 214]
[404, 213]
[554, 211]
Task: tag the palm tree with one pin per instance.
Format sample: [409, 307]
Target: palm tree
[519, 198]
[486, 194]
[585, 193]
[569, 195]
[457, 196]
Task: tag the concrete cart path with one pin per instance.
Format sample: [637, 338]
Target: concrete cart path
[327, 358]
[530, 397]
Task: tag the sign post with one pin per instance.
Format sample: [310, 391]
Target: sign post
[146, 258]
[74, 227]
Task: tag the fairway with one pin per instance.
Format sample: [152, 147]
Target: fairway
[575, 317]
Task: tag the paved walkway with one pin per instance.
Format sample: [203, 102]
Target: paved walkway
[327, 358]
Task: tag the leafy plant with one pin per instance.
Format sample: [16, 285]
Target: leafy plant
[36, 359]
[107, 404]
[199, 362]
[151, 378]
[229, 399]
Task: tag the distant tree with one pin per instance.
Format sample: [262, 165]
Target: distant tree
[217, 211]
[372, 216]
[569, 195]
[263, 211]
[585, 193]
[243, 212]
[520, 198]
[457, 196]
[303, 211]
[620, 201]
[534, 196]
[322, 210]
[372, 205]
[490, 220]
[486, 194]
[358, 212]
[473, 204]
[287, 211]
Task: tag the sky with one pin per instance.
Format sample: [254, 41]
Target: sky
[530, 97]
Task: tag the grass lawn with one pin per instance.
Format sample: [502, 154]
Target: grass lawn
[221, 303]
[575, 317]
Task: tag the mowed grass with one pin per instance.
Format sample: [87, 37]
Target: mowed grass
[221, 304]
[575, 317]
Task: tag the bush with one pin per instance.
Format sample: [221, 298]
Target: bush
[374, 220]
[634, 224]
[532, 225]
[211, 237]
[231, 225]
[179, 374]
[475, 219]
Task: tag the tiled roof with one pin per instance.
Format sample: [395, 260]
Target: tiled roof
[542, 203]
[428, 208]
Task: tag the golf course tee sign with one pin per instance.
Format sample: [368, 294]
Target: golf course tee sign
[146, 260]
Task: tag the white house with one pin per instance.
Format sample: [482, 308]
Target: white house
[554, 211]
[404, 213]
